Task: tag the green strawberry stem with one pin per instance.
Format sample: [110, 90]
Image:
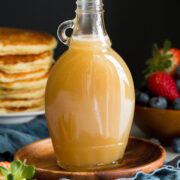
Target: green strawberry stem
[160, 60]
[18, 171]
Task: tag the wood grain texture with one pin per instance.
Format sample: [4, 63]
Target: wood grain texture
[141, 155]
[159, 123]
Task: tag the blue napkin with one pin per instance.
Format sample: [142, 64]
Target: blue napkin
[166, 172]
[15, 136]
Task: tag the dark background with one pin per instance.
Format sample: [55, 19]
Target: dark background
[133, 25]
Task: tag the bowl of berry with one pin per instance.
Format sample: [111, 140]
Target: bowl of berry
[157, 110]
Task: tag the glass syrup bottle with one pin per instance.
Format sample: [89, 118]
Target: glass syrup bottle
[89, 96]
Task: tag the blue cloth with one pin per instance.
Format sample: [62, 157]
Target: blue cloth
[167, 172]
[15, 136]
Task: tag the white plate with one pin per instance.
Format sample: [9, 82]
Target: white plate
[16, 118]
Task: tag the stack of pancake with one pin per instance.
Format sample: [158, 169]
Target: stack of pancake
[25, 60]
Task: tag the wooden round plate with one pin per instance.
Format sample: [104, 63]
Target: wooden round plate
[141, 155]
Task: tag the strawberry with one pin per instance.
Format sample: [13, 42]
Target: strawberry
[16, 170]
[5, 164]
[163, 60]
[175, 60]
[162, 84]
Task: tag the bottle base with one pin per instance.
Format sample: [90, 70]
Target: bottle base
[96, 167]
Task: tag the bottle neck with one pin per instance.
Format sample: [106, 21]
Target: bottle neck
[89, 22]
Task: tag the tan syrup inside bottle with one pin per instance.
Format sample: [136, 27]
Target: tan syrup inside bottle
[89, 105]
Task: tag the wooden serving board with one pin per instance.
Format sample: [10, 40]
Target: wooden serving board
[141, 155]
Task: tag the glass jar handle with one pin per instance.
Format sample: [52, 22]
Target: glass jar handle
[61, 32]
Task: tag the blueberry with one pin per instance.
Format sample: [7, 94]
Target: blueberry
[142, 98]
[178, 84]
[158, 102]
[178, 71]
[176, 104]
[176, 144]
[155, 140]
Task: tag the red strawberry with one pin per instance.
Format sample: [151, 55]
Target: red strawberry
[5, 164]
[162, 84]
[175, 60]
[163, 60]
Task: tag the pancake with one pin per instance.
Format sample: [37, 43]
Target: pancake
[31, 94]
[5, 78]
[20, 110]
[20, 41]
[21, 103]
[29, 84]
[26, 63]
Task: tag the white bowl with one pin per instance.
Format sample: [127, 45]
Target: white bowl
[16, 118]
